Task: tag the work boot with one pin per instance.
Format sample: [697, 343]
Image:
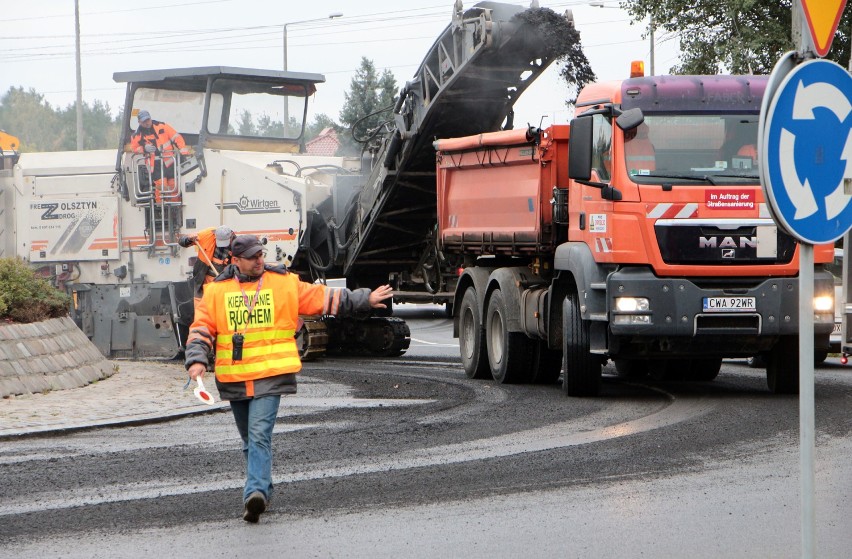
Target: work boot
[255, 505]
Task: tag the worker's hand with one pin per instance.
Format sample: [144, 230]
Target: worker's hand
[196, 370]
[149, 148]
[378, 295]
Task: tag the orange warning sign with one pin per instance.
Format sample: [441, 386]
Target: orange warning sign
[823, 17]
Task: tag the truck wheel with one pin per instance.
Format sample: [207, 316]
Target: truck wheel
[582, 370]
[472, 338]
[547, 364]
[510, 354]
[782, 366]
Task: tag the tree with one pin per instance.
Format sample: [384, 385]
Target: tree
[369, 98]
[40, 127]
[28, 116]
[100, 129]
[268, 128]
[320, 123]
[734, 36]
[387, 89]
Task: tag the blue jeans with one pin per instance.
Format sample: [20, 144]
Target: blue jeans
[255, 420]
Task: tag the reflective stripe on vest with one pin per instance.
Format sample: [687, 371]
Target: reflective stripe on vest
[265, 353]
[224, 340]
[253, 371]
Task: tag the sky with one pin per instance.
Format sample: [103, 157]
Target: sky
[37, 44]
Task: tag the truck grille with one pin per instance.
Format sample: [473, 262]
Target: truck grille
[708, 244]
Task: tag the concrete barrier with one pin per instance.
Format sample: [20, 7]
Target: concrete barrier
[49, 355]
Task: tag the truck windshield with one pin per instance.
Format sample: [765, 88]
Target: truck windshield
[714, 148]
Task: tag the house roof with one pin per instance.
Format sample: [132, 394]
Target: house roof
[326, 143]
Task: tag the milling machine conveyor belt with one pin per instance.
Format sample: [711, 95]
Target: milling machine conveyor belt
[467, 84]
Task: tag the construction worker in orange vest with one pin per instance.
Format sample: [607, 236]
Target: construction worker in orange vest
[163, 146]
[214, 253]
[248, 316]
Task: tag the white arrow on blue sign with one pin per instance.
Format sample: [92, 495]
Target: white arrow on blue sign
[807, 152]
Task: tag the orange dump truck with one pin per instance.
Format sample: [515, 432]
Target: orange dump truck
[639, 234]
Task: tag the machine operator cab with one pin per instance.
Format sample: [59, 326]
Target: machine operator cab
[214, 109]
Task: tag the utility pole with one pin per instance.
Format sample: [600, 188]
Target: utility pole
[286, 101]
[79, 77]
[651, 28]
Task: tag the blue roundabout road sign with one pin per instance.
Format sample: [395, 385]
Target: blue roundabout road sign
[807, 152]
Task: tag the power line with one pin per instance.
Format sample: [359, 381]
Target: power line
[136, 43]
[171, 5]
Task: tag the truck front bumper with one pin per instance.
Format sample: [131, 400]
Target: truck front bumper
[677, 319]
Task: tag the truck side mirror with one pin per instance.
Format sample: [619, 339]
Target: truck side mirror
[580, 149]
[630, 119]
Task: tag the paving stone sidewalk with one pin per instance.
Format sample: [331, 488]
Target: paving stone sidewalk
[139, 392]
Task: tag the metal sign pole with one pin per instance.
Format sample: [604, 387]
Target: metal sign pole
[800, 83]
[806, 396]
[807, 415]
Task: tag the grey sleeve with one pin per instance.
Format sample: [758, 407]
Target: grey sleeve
[196, 352]
[343, 302]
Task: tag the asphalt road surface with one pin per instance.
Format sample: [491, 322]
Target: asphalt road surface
[407, 457]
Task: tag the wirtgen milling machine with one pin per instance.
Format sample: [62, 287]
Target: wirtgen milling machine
[98, 224]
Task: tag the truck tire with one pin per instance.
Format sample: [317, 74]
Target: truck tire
[510, 354]
[472, 338]
[782, 366]
[582, 370]
[547, 364]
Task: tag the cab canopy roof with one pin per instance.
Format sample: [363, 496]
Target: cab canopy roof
[195, 79]
[652, 94]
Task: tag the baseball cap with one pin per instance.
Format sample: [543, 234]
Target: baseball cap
[246, 246]
[223, 236]
[143, 115]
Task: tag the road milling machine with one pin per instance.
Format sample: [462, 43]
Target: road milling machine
[96, 223]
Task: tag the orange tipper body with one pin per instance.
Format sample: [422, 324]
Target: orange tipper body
[663, 210]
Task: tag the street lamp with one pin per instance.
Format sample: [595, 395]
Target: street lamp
[330, 16]
[599, 4]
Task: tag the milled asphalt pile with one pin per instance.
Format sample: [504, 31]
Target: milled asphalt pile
[138, 392]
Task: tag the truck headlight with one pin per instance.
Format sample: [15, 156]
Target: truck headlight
[632, 304]
[632, 310]
[824, 303]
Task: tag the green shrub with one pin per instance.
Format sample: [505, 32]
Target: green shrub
[26, 297]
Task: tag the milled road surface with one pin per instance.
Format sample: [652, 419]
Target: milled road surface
[408, 458]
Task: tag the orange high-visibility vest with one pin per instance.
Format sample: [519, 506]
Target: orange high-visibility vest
[206, 239]
[269, 347]
[163, 136]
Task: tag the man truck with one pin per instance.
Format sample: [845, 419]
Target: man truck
[637, 234]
